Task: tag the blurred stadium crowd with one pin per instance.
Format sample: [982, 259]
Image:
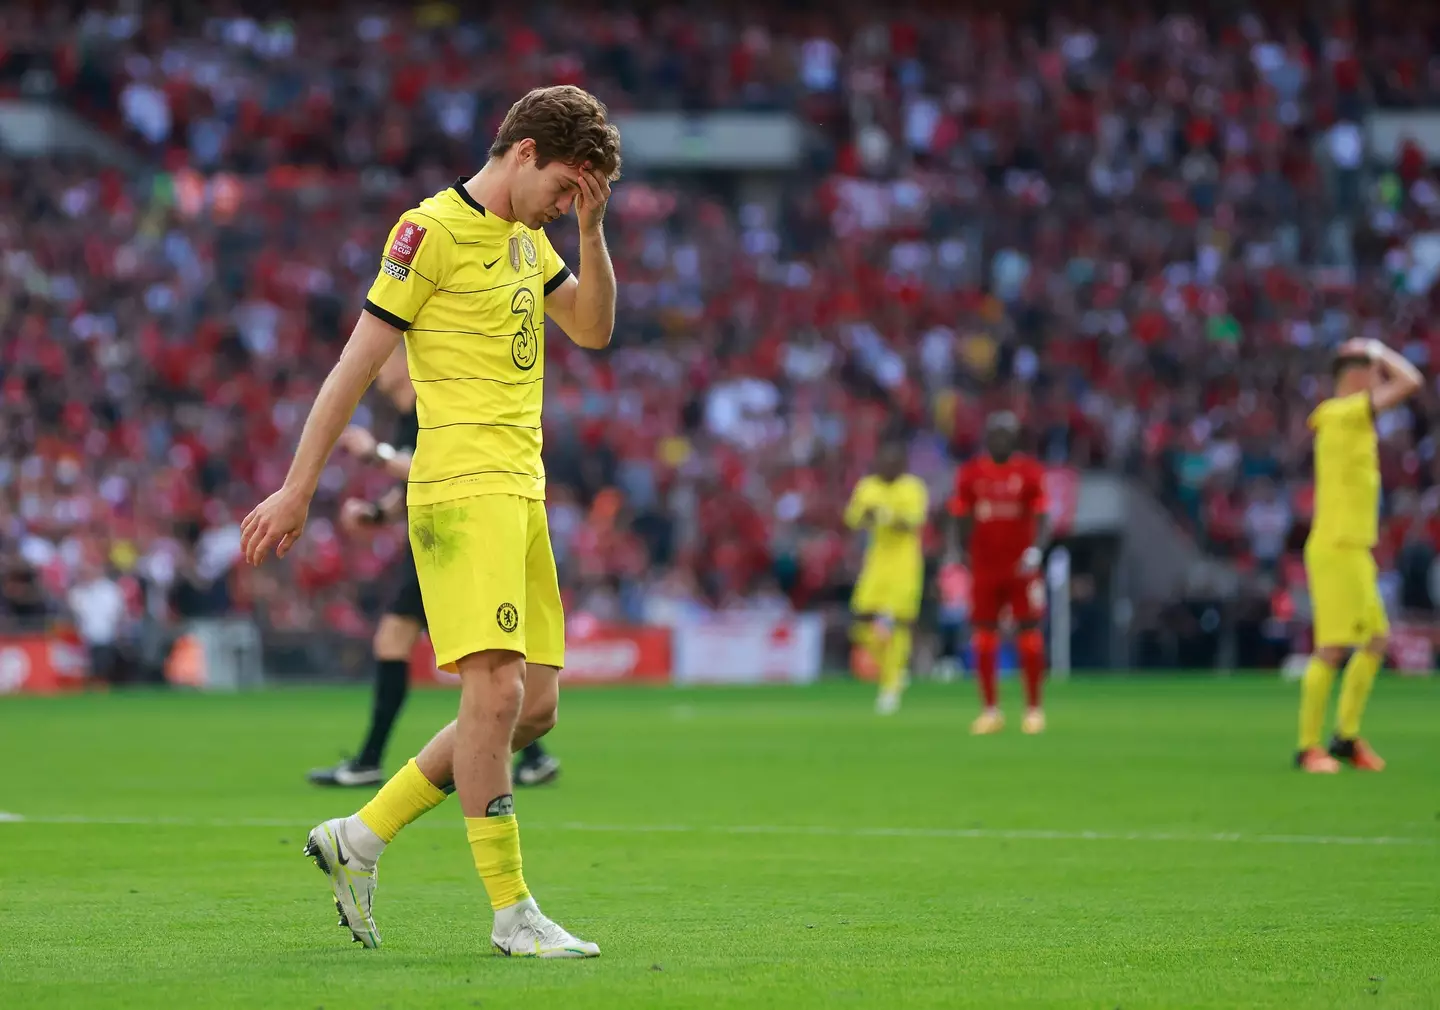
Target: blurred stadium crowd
[1140, 231]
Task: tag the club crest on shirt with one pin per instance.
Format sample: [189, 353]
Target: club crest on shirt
[528, 248]
[514, 253]
[508, 617]
[407, 243]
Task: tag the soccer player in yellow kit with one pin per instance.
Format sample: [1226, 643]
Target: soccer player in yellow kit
[891, 505]
[466, 279]
[1349, 615]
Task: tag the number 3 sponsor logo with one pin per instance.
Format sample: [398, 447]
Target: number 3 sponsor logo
[525, 345]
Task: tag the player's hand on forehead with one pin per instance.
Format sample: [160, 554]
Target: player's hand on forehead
[589, 173]
[594, 193]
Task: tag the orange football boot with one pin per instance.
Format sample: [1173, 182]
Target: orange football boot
[1357, 753]
[1315, 761]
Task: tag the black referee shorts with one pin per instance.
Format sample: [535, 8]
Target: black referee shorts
[405, 598]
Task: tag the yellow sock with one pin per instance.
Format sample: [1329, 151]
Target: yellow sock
[895, 659]
[1355, 688]
[871, 636]
[1314, 699]
[495, 843]
[860, 633]
[405, 797]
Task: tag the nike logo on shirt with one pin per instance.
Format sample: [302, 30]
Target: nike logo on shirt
[492, 263]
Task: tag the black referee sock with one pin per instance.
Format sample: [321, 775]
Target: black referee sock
[532, 753]
[392, 682]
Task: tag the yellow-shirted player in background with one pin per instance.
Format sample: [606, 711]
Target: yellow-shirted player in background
[467, 278]
[891, 506]
[1349, 615]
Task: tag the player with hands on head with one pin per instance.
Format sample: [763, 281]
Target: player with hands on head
[1348, 613]
[467, 279]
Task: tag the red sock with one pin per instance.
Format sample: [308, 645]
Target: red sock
[987, 649]
[1032, 664]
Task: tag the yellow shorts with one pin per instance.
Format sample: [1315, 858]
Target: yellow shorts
[1344, 595]
[487, 576]
[888, 591]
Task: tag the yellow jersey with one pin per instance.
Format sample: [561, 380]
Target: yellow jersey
[1347, 472]
[904, 500]
[468, 291]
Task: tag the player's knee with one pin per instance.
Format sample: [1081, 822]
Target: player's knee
[1331, 655]
[1378, 646]
[395, 637]
[986, 639]
[535, 722]
[541, 708]
[493, 681]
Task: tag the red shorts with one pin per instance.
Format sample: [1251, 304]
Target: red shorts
[1022, 595]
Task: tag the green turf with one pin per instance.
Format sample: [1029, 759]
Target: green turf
[796, 852]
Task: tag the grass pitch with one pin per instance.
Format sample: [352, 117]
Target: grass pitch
[740, 848]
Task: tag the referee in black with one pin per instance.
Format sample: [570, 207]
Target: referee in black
[404, 616]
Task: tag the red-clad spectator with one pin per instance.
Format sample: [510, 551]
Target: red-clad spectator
[1135, 254]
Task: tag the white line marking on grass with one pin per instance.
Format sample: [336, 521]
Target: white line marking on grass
[793, 830]
[1011, 834]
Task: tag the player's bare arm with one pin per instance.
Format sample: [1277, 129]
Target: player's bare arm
[1399, 379]
[1030, 560]
[391, 506]
[276, 523]
[360, 516]
[363, 445]
[584, 306]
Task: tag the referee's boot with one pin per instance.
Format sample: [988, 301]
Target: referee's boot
[347, 773]
[538, 772]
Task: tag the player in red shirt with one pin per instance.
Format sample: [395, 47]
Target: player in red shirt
[1001, 530]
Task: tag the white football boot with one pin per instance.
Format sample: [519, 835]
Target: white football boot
[352, 878]
[522, 930]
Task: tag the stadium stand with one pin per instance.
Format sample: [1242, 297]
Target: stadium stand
[1141, 231]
